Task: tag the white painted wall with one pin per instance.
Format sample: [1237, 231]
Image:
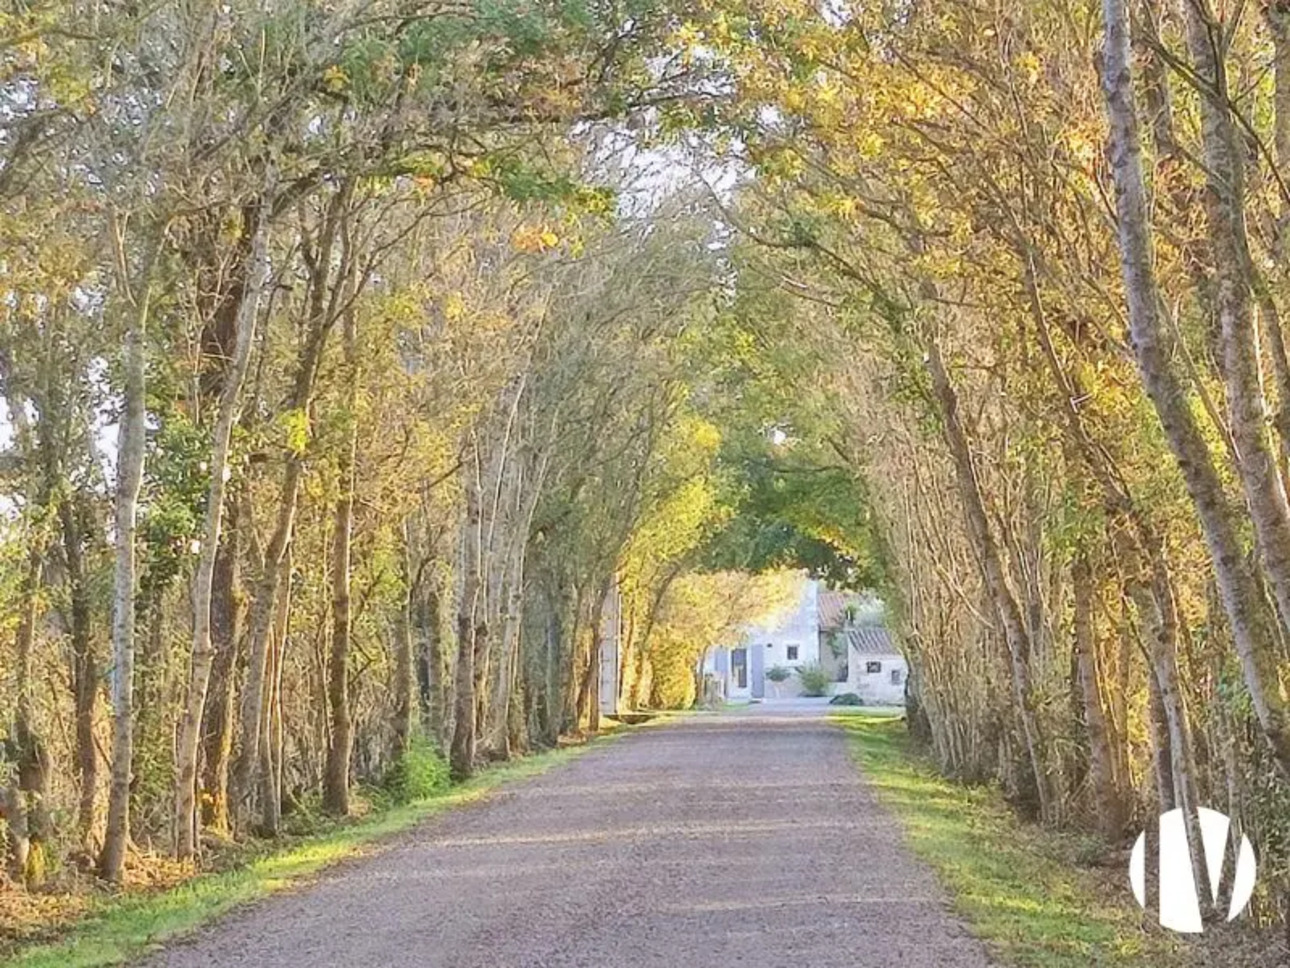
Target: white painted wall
[797, 626]
[876, 688]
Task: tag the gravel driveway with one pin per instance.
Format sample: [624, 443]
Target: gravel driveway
[740, 839]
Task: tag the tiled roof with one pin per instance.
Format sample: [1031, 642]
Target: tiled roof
[870, 640]
[832, 607]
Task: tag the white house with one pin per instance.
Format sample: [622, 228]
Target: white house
[852, 634]
[789, 640]
[837, 631]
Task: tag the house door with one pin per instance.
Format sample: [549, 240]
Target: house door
[758, 671]
[739, 669]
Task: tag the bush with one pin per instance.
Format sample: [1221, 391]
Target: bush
[420, 773]
[815, 681]
[846, 699]
[777, 673]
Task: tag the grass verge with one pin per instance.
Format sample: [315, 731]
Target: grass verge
[1025, 891]
[126, 926]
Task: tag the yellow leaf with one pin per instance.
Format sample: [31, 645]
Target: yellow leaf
[454, 307]
[335, 78]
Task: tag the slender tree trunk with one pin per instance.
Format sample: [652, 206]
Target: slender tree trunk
[336, 776]
[403, 717]
[26, 802]
[992, 569]
[462, 754]
[1223, 155]
[227, 608]
[1108, 805]
[85, 675]
[594, 666]
[252, 768]
[437, 672]
[1161, 753]
[497, 737]
[130, 455]
[1243, 599]
[203, 652]
[272, 735]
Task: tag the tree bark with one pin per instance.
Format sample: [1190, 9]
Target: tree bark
[462, 754]
[438, 683]
[253, 766]
[1108, 805]
[85, 675]
[273, 735]
[227, 613]
[992, 570]
[26, 802]
[252, 762]
[336, 775]
[1234, 284]
[403, 715]
[203, 652]
[129, 478]
[1243, 599]
[1161, 754]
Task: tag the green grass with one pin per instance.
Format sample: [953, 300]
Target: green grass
[1019, 887]
[124, 927]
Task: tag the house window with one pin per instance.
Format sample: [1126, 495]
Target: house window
[895, 677]
[792, 653]
[871, 667]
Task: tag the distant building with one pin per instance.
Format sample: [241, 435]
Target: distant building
[852, 635]
[839, 631]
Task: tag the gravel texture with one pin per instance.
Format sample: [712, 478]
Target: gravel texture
[741, 839]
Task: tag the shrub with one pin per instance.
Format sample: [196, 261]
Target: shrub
[846, 699]
[777, 673]
[421, 772]
[815, 681]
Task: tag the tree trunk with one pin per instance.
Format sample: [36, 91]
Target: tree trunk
[1161, 754]
[190, 726]
[252, 766]
[992, 570]
[1243, 599]
[227, 612]
[1223, 155]
[336, 776]
[462, 754]
[85, 675]
[26, 803]
[273, 735]
[1108, 806]
[497, 735]
[129, 477]
[402, 716]
[596, 658]
[439, 703]
[255, 777]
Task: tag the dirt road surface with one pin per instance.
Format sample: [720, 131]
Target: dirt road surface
[746, 839]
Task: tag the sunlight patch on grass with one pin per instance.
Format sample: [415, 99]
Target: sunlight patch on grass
[126, 927]
[1015, 884]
